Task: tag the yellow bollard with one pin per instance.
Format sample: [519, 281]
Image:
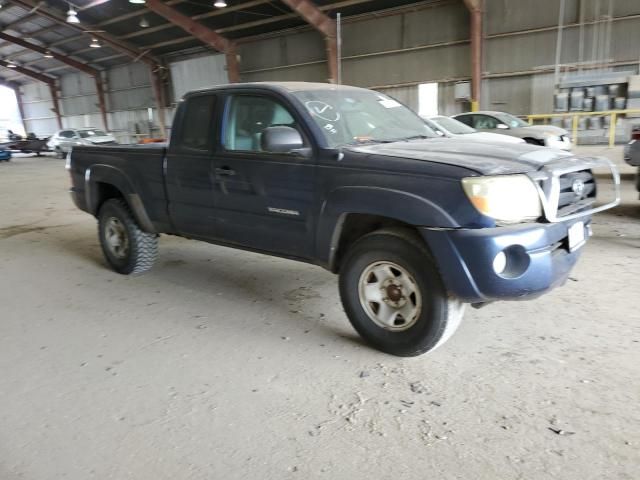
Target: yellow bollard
[612, 129]
[574, 130]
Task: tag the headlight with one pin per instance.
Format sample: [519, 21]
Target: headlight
[505, 198]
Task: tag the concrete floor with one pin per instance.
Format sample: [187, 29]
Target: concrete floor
[220, 364]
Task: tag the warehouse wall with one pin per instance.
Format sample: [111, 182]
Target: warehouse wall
[430, 43]
[393, 51]
[129, 97]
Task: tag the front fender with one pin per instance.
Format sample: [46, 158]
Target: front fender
[115, 177]
[394, 204]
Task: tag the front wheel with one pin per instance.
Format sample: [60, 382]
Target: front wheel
[127, 248]
[394, 296]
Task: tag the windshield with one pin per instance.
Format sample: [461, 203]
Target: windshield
[510, 120]
[350, 117]
[452, 125]
[91, 133]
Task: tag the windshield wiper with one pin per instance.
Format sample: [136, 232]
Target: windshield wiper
[416, 137]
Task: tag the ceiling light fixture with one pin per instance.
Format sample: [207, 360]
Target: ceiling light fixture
[10, 64]
[144, 23]
[95, 43]
[138, 2]
[220, 4]
[48, 54]
[72, 15]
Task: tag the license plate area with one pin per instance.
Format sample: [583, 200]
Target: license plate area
[577, 237]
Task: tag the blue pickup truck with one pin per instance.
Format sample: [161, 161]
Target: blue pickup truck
[346, 178]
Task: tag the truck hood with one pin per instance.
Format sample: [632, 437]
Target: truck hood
[539, 131]
[482, 157]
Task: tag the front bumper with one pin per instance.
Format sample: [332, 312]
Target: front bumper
[562, 143]
[465, 259]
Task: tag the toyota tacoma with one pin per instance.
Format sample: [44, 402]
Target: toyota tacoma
[349, 179]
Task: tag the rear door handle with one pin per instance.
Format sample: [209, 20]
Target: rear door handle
[225, 171]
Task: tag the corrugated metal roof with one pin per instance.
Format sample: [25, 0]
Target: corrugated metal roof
[122, 20]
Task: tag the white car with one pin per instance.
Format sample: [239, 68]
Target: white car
[450, 127]
[62, 141]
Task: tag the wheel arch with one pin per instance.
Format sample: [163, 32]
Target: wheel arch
[103, 182]
[352, 212]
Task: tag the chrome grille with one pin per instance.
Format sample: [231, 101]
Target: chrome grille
[568, 189]
[576, 186]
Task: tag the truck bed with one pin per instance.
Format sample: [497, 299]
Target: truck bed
[139, 166]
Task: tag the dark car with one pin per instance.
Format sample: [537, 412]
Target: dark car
[350, 180]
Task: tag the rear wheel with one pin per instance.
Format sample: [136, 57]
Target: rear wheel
[126, 247]
[394, 296]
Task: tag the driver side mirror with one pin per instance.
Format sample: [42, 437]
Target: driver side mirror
[282, 140]
[502, 126]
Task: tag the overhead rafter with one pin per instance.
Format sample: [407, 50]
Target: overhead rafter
[49, 81]
[110, 40]
[31, 16]
[325, 25]
[202, 33]
[119, 45]
[97, 76]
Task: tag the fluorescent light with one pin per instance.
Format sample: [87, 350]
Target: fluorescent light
[10, 64]
[47, 54]
[220, 4]
[95, 43]
[136, 1]
[144, 23]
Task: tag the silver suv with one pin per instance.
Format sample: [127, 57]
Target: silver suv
[62, 141]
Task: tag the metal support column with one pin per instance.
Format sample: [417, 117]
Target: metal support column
[476, 10]
[53, 89]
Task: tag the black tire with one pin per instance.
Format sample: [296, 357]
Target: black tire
[141, 248]
[59, 152]
[440, 314]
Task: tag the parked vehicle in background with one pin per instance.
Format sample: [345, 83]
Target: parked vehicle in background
[31, 144]
[450, 127]
[5, 154]
[353, 181]
[507, 124]
[63, 141]
[632, 153]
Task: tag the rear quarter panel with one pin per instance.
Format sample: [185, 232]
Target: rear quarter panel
[134, 170]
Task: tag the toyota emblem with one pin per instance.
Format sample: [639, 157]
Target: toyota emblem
[577, 187]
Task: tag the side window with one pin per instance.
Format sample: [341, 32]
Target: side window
[67, 134]
[247, 116]
[484, 122]
[466, 119]
[196, 133]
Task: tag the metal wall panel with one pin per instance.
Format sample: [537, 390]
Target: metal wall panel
[291, 49]
[405, 95]
[303, 73]
[512, 15]
[198, 72]
[418, 66]
[509, 94]
[436, 25]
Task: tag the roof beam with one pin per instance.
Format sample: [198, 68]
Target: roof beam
[73, 64]
[110, 40]
[29, 73]
[315, 17]
[202, 33]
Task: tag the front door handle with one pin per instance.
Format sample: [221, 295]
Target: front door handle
[225, 171]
